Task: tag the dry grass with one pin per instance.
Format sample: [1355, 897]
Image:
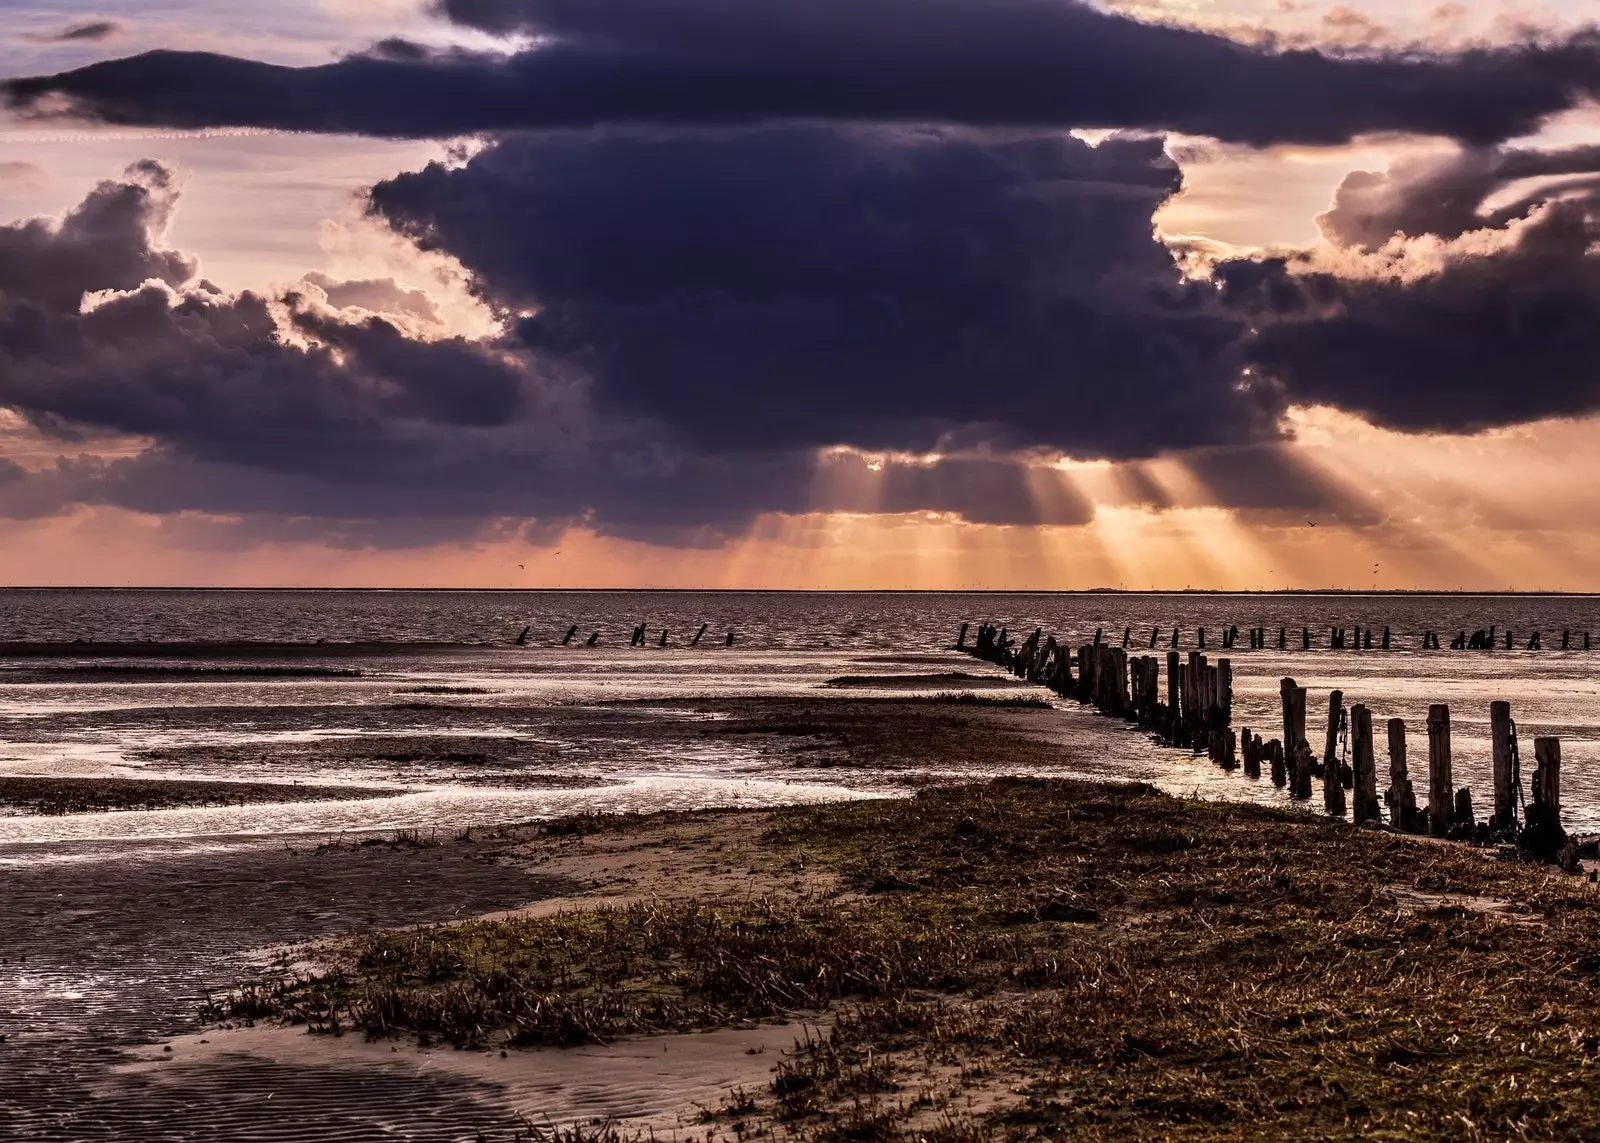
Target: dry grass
[1030, 959]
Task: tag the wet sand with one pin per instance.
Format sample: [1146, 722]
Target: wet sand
[109, 951]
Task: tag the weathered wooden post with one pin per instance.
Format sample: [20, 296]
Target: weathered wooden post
[1155, 633]
[566, 640]
[1305, 638]
[1301, 784]
[594, 638]
[1330, 743]
[1332, 790]
[1544, 832]
[663, 642]
[1505, 792]
[961, 643]
[1174, 695]
[1280, 775]
[1365, 790]
[1127, 633]
[1402, 802]
[1566, 639]
[1249, 750]
[1441, 790]
[1225, 690]
[1175, 633]
[729, 643]
[961, 639]
[1201, 638]
[1386, 637]
[522, 640]
[1286, 685]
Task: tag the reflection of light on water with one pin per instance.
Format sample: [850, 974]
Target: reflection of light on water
[451, 808]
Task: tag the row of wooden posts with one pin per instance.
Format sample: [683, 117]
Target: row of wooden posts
[1197, 714]
[1355, 638]
[640, 637]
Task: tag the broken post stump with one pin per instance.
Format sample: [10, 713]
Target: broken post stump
[1402, 800]
[571, 632]
[1300, 786]
[1543, 833]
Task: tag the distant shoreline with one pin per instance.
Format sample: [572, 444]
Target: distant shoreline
[1296, 592]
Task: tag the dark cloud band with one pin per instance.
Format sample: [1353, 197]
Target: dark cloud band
[972, 62]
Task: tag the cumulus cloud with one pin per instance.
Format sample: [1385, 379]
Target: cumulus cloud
[1453, 314]
[971, 62]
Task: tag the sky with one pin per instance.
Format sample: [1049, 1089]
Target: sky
[1002, 294]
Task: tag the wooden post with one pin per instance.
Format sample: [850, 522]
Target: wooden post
[1301, 783]
[1330, 743]
[961, 639]
[1280, 777]
[1367, 807]
[571, 631]
[522, 640]
[663, 642]
[1505, 793]
[1202, 638]
[1441, 790]
[594, 638]
[1225, 690]
[1386, 638]
[1305, 638]
[1174, 637]
[1127, 633]
[1248, 752]
[1155, 633]
[729, 643]
[1402, 802]
[1544, 830]
[1285, 686]
[1332, 789]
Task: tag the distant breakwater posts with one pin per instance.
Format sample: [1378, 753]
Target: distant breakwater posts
[1197, 714]
[641, 637]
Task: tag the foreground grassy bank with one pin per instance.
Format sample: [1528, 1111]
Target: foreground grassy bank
[1025, 959]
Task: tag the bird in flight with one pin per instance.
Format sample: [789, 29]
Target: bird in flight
[524, 567]
[1313, 523]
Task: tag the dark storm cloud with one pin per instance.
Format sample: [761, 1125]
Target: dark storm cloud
[1498, 334]
[314, 407]
[972, 62]
[84, 31]
[899, 289]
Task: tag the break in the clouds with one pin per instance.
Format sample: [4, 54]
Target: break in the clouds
[971, 62]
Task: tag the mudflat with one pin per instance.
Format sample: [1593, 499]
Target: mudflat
[1005, 959]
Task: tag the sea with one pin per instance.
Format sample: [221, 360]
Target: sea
[276, 685]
